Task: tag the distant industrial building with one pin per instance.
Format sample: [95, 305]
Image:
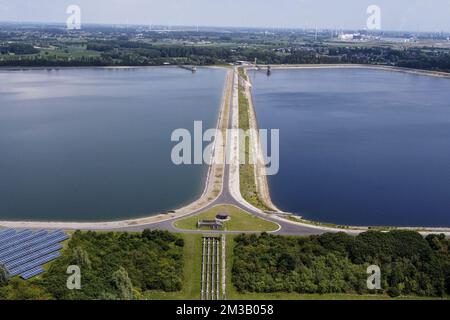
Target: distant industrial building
[25, 252]
[222, 217]
[215, 224]
[350, 36]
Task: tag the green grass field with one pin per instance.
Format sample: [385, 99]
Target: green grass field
[247, 170]
[73, 52]
[69, 53]
[240, 220]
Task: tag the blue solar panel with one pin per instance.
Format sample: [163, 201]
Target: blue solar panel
[7, 237]
[15, 263]
[32, 273]
[21, 253]
[57, 233]
[17, 237]
[34, 264]
[12, 256]
[56, 238]
[22, 239]
[6, 233]
[20, 235]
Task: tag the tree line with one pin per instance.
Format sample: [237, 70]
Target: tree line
[137, 53]
[113, 266]
[337, 263]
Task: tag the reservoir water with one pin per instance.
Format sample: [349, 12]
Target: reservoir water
[359, 146]
[94, 144]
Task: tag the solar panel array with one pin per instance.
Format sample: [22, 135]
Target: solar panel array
[24, 252]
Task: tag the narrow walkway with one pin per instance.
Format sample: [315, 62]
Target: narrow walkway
[210, 287]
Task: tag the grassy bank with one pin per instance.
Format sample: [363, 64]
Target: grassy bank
[248, 187]
[240, 220]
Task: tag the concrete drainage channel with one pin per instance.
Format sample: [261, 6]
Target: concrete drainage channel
[213, 268]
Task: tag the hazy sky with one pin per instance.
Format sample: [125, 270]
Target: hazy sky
[414, 15]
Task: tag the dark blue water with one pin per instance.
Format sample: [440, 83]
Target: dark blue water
[359, 147]
[94, 144]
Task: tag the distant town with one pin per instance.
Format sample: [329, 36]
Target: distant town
[53, 45]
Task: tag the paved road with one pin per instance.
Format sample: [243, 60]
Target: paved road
[226, 198]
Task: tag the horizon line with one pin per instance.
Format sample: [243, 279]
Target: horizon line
[59, 23]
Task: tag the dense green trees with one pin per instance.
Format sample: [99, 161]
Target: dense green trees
[109, 46]
[18, 48]
[113, 266]
[3, 276]
[120, 52]
[126, 265]
[21, 290]
[337, 263]
[55, 61]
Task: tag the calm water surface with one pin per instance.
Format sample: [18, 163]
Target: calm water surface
[359, 146]
[94, 144]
